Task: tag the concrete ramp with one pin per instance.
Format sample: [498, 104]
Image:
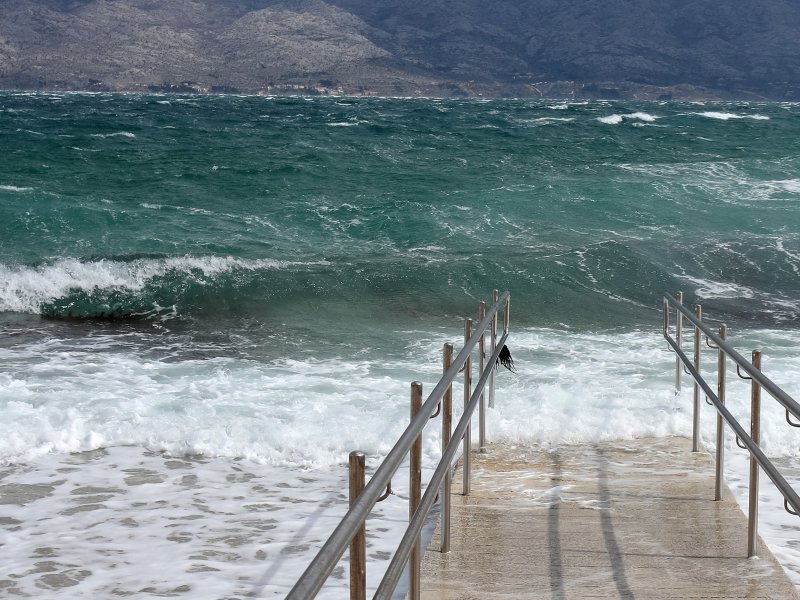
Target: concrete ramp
[621, 520]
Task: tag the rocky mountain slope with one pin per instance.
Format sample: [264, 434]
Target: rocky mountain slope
[587, 48]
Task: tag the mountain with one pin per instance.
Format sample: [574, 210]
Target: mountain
[563, 48]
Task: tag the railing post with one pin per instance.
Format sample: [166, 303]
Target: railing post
[482, 365]
[506, 315]
[495, 296]
[755, 434]
[467, 472]
[698, 311]
[415, 493]
[678, 338]
[358, 545]
[447, 430]
[720, 421]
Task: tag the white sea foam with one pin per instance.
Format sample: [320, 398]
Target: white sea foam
[69, 397]
[126, 523]
[31, 132]
[611, 119]
[14, 188]
[709, 289]
[789, 185]
[254, 520]
[722, 116]
[616, 119]
[539, 121]
[792, 258]
[726, 182]
[126, 134]
[24, 289]
[642, 116]
[726, 116]
[430, 248]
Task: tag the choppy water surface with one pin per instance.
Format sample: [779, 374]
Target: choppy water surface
[259, 279]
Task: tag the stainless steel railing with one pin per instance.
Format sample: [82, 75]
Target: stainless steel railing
[749, 441]
[350, 530]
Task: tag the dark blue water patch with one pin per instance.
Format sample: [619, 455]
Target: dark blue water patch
[108, 305]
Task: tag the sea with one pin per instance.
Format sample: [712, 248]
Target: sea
[207, 302]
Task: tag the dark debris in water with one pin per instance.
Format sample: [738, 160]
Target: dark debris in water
[504, 358]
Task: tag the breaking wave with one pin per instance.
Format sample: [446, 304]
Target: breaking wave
[133, 288]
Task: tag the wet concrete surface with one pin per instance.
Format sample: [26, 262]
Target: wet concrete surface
[626, 520]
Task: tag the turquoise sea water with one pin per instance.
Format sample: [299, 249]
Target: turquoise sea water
[243, 210]
[261, 277]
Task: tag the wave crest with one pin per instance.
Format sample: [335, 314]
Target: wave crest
[137, 287]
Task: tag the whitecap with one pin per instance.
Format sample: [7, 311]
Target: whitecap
[126, 134]
[642, 116]
[726, 116]
[616, 119]
[430, 248]
[722, 116]
[14, 188]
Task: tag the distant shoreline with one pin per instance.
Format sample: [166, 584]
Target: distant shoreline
[563, 91]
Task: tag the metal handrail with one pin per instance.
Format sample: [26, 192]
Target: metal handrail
[765, 382]
[395, 569]
[323, 564]
[743, 439]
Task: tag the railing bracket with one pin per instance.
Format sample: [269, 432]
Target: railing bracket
[789, 510]
[710, 345]
[387, 493]
[739, 373]
[438, 410]
[789, 420]
[739, 443]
